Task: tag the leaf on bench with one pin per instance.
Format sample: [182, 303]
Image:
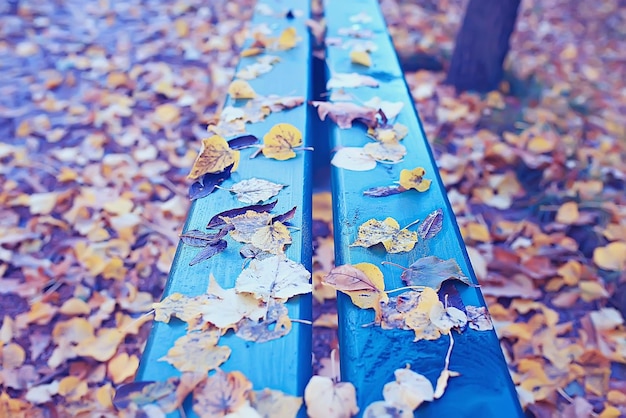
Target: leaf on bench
[325, 398]
[346, 113]
[214, 157]
[432, 225]
[274, 403]
[217, 220]
[386, 152]
[280, 141]
[197, 238]
[209, 251]
[255, 190]
[353, 158]
[387, 133]
[208, 183]
[244, 226]
[363, 282]
[272, 238]
[340, 80]
[243, 141]
[274, 278]
[432, 271]
[240, 89]
[385, 232]
[276, 324]
[414, 179]
[223, 394]
[197, 351]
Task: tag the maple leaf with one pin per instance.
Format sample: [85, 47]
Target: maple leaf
[240, 89]
[345, 113]
[275, 325]
[197, 352]
[272, 238]
[388, 233]
[414, 179]
[324, 398]
[280, 141]
[275, 277]
[214, 157]
[221, 394]
[431, 272]
[343, 80]
[353, 158]
[391, 152]
[255, 190]
[363, 282]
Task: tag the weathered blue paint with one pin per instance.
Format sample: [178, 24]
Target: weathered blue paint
[369, 355]
[283, 364]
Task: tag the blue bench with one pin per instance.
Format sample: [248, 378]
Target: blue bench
[369, 355]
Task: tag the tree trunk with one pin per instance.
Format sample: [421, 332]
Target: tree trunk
[482, 44]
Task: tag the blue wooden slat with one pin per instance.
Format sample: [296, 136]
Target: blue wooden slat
[283, 364]
[370, 355]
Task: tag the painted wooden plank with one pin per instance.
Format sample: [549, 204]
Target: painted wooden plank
[369, 355]
[283, 364]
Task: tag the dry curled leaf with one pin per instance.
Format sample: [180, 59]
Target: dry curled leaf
[214, 157]
[271, 403]
[221, 394]
[197, 352]
[431, 272]
[346, 113]
[274, 325]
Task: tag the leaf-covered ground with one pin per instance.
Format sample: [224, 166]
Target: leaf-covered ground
[102, 106]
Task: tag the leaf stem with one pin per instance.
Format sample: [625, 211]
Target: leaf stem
[394, 264]
[301, 321]
[411, 224]
[406, 288]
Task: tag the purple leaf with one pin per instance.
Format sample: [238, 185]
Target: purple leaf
[432, 225]
[197, 238]
[209, 251]
[432, 272]
[282, 218]
[242, 141]
[384, 191]
[206, 185]
[216, 221]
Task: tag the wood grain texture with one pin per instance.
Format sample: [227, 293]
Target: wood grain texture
[283, 364]
[369, 355]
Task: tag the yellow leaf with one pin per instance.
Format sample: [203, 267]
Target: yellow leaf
[388, 233]
[288, 38]
[75, 306]
[370, 299]
[567, 213]
[540, 145]
[72, 388]
[592, 290]
[122, 366]
[251, 52]
[361, 57]
[274, 403]
[385, 151]
[101, 347]
[240, 89]
[418, 318]
[167, 113]
[12, 356]
[280, 141]
[197, 351]
[272, 238]
[214, 157]
[104, 396]
[477, 232]
[570, 272]
[414, 179]
[610, 412]
[612, 257]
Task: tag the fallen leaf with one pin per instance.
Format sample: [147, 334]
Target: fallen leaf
[274, 278]
[197, 238]
[209, 251]
[280, 141]
[214, 157]
[240, 89]
[218, 220]
[389, 109]
[431, 272]
[255, 190]
[414, 179]
[568, 213]
[274, 325]
[361, 57]
[410, 389]
[325, 398]
[386, 152]
[345, 80]
[611, 257]
[432, 225]
[272, 238]
[388, 233]
[346, 113]
[221, 394]
[384, 409]
[354, 159]
[197, 352]
[244, 226]
[288, 38]
[274, 403]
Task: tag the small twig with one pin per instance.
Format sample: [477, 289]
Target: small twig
[406, 288]
[394, 264]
